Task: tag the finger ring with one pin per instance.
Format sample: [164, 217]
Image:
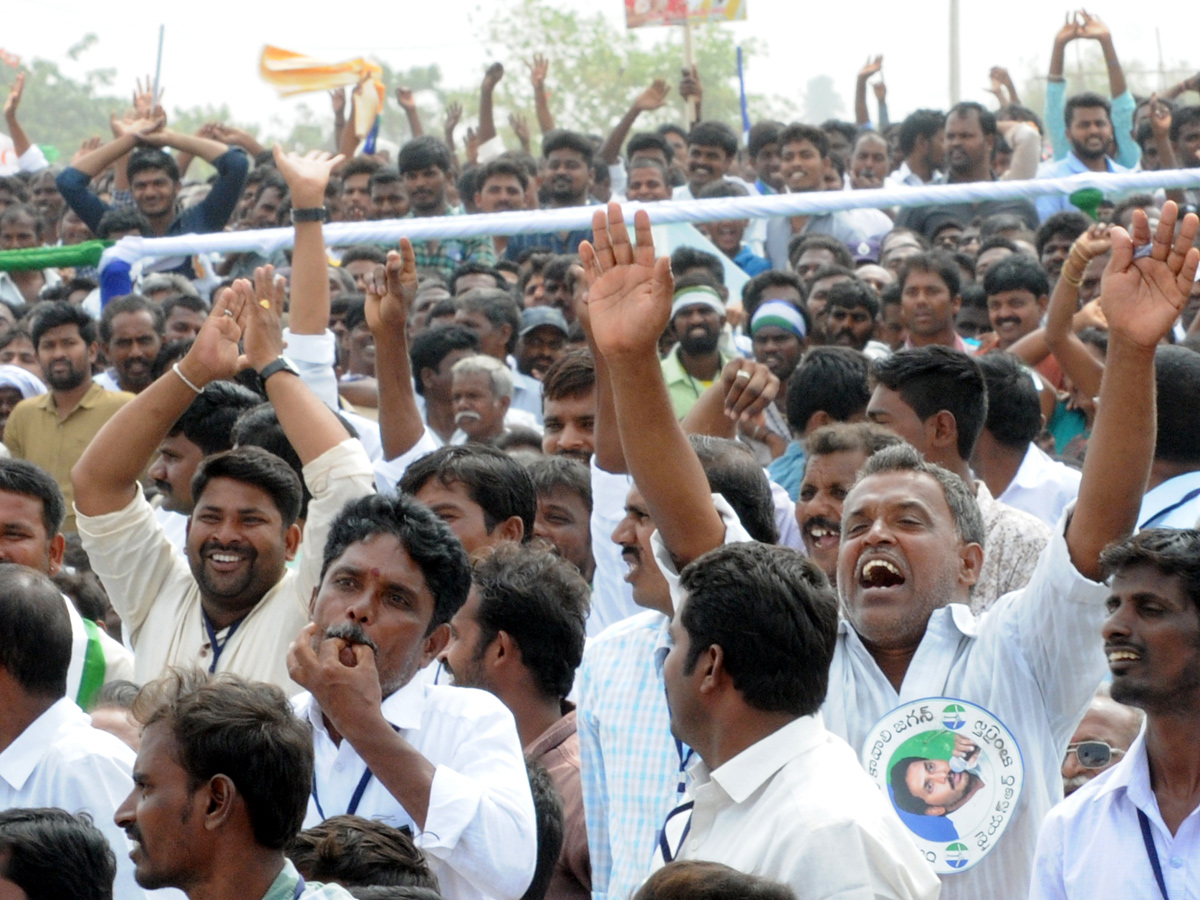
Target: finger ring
[742, 373]
[228, 313]
[264, 303]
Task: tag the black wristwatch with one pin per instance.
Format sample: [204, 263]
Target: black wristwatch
[311, 214]
[282, 364]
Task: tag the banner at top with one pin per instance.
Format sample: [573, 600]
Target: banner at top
[642, 13]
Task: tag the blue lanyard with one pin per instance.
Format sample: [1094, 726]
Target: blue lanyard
[356, 797]
[1162, 514]
[1148, 840]
[218, 647]
[300, 885]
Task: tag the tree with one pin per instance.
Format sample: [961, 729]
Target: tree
[821, 100]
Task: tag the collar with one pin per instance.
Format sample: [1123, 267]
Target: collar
[22, 756]
[1035, 462]
[1170, 491]
[87, 401]
[662, 644]
[945, 621]
[674, 372]
[284, 885]
[1076, 165]
[554, 735]
[757, 764]
[959, 344]
[1132, 775]
[403, 709]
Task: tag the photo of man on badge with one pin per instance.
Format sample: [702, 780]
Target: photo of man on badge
[937, 785]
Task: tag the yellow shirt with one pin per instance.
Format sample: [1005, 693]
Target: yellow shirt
[36, 433]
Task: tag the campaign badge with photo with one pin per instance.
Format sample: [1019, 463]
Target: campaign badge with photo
[953, 773]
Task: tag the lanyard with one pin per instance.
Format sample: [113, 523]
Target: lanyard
[299, 888]
[1148, 840]
[1162, 514]
[355, 798]
[218, 647]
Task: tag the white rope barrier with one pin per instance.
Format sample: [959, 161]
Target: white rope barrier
[267, 241]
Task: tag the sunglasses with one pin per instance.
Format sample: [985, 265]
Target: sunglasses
[1094, 754]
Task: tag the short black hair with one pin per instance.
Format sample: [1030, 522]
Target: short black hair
[1016, 273]
[19, 476]
[1177, 373]
[554, 473]
[798, 244]
[548, 814]
[50, 854]
[498, 307]
[34, 611]
[424, 152]
[427, 540]
[648, 141]
[472, 267]
[353, 850]
[937, 262]
[146, 158]
[798, 132]
[562, 139]
[987, 121]
[1173, 551]
[1181, 117]
[209, 419]
[853, 294]
[245, 730]
[1085, 100]
[833, 380]
[501, 166]
[130, 303]
[684, 258]
[935, 378]
[541, 601]
[1014, 410]
[123, 219]
[775, 618]
[762, 135]
[256, 467]
[571, 375]
[713, 134]
[492, 479]
[55, 313]
[753, 289]
[367, 252]
[733, 472]
[1072, 224]
[433, 345]
[924, 123]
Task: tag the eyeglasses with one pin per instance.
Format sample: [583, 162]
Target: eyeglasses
[1094, 754]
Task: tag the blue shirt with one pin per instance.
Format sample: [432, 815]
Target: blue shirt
[750, 262]
[1049, 204]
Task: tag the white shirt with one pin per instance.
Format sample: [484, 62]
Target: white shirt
[11, 294]
[314, 356]
[1091, 845]
[797, 807]
[1169, 506]
[61, 761]
[1033, 660]
[480, 834]
[1042, 487]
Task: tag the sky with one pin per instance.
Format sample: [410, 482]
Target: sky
[211, 49]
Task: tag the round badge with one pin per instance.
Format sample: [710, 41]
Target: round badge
[953, 773]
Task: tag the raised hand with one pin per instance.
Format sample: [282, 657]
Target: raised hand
[471, 145]
[144, 100]
[1092, 27]
[492, 76]
[306, 175]
[92, 143]
[391, 290]
[538, 69]
[340, 674]
[870, 67]
[1096, 241]
[520, 127]
[14, 97]
[139, 126]
[1069, 30]
[214, 354]
[653, 97]
[690, 85]
[1142, 296]
[262, 340]
[337, 99]
[453, 113]
[406, 98]
[629, 291]
[750, 387]
[1160, 118]
[880, 89]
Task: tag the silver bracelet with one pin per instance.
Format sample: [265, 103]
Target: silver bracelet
[175, 368]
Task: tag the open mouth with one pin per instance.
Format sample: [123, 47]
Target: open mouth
[631, 558]
[820, 534]
[881, 574]
[1121, 658]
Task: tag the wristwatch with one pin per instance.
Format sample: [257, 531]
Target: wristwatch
[311, 214]
[282, 364]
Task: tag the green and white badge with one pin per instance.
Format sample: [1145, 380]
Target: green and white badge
[953, 773]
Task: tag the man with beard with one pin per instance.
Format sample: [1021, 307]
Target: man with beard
[444, 762]
[567, 182]
[233, 605]
[970, 138]
[131, 330]
[921, 142]
[53, 429]
[869, 161]
[1137, 823]
[779, 336]
[389, 199]
[541, 340]
[851, 307]
[425, 164]
[520, 637]
[1090, 131]
[697, 317]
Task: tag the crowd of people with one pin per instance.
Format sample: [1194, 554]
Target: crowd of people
[800, 557]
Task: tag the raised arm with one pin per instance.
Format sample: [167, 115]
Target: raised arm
[1082, 368]
[487, 118]
[307, 177]
[862, 116]
[609, 455]
[208, 149]
[629, 302]
[1160, 127]
[391, 290]
[106, 475]
[408, 103]
[691, 89]
[538, 69]
[1141, 298]
[1093, 28]
[738, 397]
[129, 135]
[650, 99]
[20, 139]
[1056, 88]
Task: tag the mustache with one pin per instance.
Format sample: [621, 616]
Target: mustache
[1075, 782]
[351, 633]
[822, 522]
[467, 415]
